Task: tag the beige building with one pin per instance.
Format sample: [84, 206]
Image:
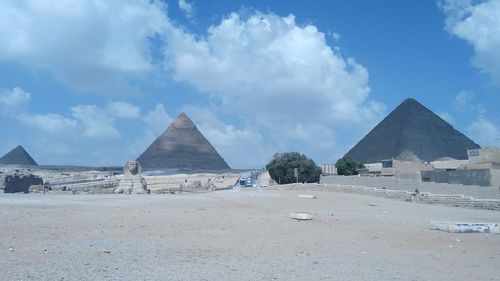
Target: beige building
[486, 158]
[482, 168]
[328, 169]
[404, 169]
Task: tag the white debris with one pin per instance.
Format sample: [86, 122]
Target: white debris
[301, 216]
[466, 227]
[307, 196]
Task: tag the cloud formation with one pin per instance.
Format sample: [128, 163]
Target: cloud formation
[92, 45]
[125, 110]
[269, 64]
[478, 23]
[482, 130]
[282, 86]
[485, 132]
[187, 8]
[158, 119]
[13, 100]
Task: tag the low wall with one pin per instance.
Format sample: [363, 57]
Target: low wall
[483, 192]
[97, 186]
[191, 181]
[456, 200]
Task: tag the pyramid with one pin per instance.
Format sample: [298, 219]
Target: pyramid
[182, 146]
[17, 156]
[411, 130]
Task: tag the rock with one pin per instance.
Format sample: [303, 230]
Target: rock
[131, 181]
[301, 216]
[466, 227]
[307, 196]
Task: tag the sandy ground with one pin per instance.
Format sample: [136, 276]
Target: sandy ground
[245, 235]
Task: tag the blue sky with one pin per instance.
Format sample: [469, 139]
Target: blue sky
[88, 82]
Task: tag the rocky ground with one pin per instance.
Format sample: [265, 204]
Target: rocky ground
[238, 235]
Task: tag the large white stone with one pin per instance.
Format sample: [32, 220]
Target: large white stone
[466, 227]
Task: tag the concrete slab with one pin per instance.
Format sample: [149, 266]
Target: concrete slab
[466, 227]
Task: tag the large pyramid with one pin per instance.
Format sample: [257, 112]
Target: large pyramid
[411, 129]
[182, 146]
[17, 156]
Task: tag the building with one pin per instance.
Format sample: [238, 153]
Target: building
[482, 168]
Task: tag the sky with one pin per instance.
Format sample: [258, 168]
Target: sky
[92, 82]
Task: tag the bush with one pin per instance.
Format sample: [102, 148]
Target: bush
[347, 167]
[281, 168]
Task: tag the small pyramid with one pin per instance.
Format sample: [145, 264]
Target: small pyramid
[411, 129]
[182, 146]
[17, 156]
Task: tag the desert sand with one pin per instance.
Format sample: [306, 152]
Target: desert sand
[238, 235]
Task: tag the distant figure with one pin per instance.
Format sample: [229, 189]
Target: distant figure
[131, 181]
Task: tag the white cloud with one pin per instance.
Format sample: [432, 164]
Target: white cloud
[463, 100]
[240, 147]
[89, 45]
[269, 65]
[259, 69]
[13, 101]
[187, 8]
[484, 132]
[95, 121]
[88, 120]
[158, 119]
[478, 23]
[53, 124]
[290, 89]
[123, 110]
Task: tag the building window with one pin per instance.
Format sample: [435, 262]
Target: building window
[387, 164]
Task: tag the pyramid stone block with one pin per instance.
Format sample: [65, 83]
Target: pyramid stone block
[182, 146]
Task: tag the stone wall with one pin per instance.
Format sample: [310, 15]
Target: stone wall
[456, 200]
[190, 182]
[408, 185]
[89, 186]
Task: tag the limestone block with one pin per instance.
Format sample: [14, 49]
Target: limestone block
[466, 227]
[301, 216]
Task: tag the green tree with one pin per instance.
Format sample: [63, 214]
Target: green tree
[347, 167]
[281, 168]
